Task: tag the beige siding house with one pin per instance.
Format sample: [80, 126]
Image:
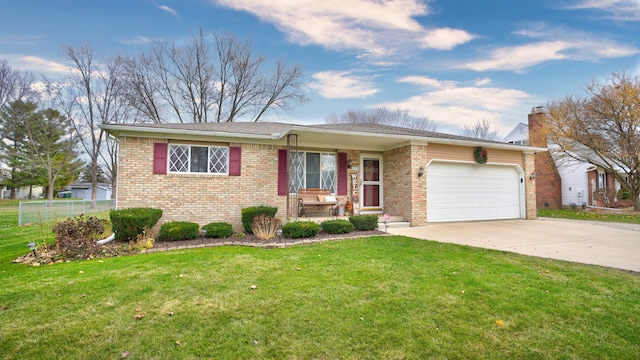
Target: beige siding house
[209, 172]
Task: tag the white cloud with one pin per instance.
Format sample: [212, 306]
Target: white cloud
[482, 82]
[342, 85]
[426, 82]
[445, 38]
[453, 105]
[520, 57]
[167, 9]
[553, 44]
[35, 64]
[137, 40]
[379, 28]
[625, 10]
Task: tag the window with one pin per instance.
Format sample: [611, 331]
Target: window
[198, 159]
[313, 170]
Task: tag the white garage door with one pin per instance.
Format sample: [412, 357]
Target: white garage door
[464, 192]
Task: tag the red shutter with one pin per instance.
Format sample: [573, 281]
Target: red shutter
[235, 155]
[342, 173]
[282, 172]
[160, 158]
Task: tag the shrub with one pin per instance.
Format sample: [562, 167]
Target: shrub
[265, 227]
[128, 223]
[250, 213]
[337, 226]
[624, 194]
[364, 222]
[77, 237]
[144, 241]
[300, 229]
[218, 230]
[178, 230]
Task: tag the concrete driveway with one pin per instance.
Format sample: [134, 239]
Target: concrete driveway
[607, 244]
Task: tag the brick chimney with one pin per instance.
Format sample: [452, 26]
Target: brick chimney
[548, 181]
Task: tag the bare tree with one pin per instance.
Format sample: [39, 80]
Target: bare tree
[383, 116]
[602, 128]
[200, 83]
[14, 84]
[481, 129]
[93, 95]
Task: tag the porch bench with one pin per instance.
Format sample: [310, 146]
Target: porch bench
[315, 197]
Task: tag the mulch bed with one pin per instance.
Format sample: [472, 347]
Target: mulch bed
[51, 257]
[252, 241]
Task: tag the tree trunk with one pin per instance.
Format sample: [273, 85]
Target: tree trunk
[50, 190]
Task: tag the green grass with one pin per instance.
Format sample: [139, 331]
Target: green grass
[610, 216]
[372, 298]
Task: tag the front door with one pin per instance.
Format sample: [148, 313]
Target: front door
[371, 199]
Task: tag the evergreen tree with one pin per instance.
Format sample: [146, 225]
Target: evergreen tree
[17, 170]
[86, 174]
[52, 146]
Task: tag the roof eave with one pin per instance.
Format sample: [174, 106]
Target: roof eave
[119, 130]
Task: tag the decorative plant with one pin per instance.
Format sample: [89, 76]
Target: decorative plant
[265, 227]
[144, 241]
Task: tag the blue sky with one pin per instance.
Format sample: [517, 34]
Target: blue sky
[454, 62]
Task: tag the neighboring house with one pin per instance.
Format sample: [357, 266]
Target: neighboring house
[519, 135]
[209, 171]
[561, 181]
[82, 190]
[23, 192]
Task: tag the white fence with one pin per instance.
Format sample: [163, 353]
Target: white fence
[36, 211]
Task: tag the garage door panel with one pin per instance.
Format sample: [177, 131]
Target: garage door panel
[463, 192]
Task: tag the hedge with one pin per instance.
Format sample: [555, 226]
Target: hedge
[128, 223]
[337, 226]
[178, 230]
[300, 229]
[364, 222]
[218, 230]
[250, 213]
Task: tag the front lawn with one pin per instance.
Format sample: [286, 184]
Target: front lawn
[591, 214]
[385, 297]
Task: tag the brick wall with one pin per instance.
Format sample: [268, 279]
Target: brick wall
[198, 197]
[530, 186]
[548, 182]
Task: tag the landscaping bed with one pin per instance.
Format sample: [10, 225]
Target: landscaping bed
[253, 241]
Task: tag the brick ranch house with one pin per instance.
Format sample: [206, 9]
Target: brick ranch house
[208, 172]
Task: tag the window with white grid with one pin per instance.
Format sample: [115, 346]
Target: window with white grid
[198, 159]
[313, 170]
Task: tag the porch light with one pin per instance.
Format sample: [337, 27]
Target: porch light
[533, 176]
[349, 164]
[421, 171]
